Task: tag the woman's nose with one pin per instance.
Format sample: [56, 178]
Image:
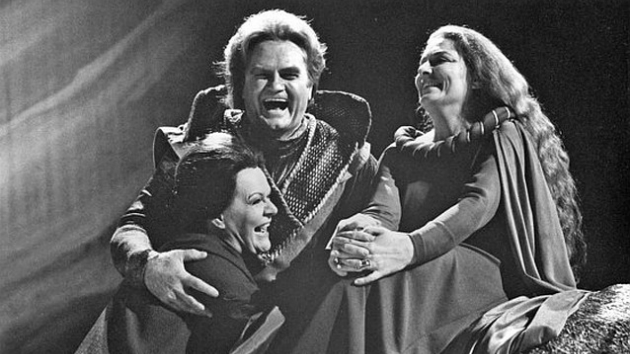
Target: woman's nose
[270, 208]
[424, 68]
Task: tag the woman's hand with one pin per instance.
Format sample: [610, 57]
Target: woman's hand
[352, 224]
[375, 249]
[356, 222]
[167, 279]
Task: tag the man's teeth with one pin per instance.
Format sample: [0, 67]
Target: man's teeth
[261, 228]
[275, 104]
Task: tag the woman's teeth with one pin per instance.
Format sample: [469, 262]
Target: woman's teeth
[261, 228]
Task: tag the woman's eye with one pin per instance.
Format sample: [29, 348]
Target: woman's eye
[438, 60]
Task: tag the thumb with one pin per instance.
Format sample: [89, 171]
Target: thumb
[376, 275]
[375, 230]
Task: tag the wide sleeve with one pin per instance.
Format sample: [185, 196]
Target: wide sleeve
[357, 189]
[384, 205]
[477, 205]
[146, 223]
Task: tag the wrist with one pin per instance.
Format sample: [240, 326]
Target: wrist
[413, 258]
[136, 267]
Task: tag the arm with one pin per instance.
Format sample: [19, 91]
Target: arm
[390, 251]
[382, 211]
[146, 225]
[477, 205]
[357, 190]
[384, 205]
[379, 202]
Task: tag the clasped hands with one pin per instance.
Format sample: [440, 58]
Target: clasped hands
[360, 244]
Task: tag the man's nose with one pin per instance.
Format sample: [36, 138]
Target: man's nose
[276, 82]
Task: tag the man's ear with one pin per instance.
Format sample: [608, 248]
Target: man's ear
[311, 92]
[218, 222]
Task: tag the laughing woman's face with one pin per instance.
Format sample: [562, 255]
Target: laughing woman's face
[442, 76]
[249, 214]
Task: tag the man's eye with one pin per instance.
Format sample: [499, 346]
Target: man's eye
[290, 76]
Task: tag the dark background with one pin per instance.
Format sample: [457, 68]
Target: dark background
[85, 83]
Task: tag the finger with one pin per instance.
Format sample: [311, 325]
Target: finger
[358, 264]
[375, 231]
[348, 224]
[192, 254]
[358, 235]
[341, 241]
[335, 266]
[198, 284]
[189, 304]
[349, 265]
[356, 250]
[344, 225]
[352, 251]
[374, 276]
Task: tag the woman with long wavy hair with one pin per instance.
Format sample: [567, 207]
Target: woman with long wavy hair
[478, 213]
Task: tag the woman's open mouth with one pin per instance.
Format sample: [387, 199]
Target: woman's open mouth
[262, 229]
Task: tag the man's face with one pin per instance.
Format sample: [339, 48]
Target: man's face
[277, 87]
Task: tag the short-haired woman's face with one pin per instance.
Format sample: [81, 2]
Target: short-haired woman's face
[277, 87]
[442, 76]
[249, 214]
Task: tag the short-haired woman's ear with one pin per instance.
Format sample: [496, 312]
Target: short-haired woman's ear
[218, 222]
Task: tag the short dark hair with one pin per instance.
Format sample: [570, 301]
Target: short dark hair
[205, 177]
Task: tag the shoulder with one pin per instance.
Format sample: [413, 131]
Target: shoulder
[512, 129]
[223, 267]
[347, 113]
[512, 134]
[393, 156]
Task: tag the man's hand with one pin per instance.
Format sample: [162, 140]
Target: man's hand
[166, 278]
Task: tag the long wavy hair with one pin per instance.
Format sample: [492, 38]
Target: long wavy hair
[269, 25]
[505, 85]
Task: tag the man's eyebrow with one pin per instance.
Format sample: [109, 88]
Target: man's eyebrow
[290, 68]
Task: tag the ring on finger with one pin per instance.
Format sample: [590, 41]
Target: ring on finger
[365, 263]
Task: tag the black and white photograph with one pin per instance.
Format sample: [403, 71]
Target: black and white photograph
[302, 176]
